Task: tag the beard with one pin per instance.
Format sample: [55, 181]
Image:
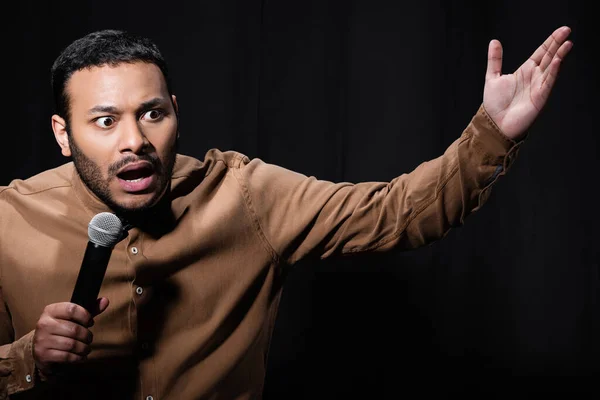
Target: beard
[91, 175]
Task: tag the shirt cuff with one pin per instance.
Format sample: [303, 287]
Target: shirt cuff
[495, 151]
[20, 355]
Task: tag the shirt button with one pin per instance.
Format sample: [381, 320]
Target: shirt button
[134, 250]
[149, 398]
[139, 290]
[28, 378]
[144, 346]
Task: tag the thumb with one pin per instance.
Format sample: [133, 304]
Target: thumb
[494, 62]
[101, 305]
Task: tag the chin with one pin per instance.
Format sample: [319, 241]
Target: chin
[136, 205]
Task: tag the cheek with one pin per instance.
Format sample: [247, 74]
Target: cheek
[164, 144]
[167, 151]
[96, 157]
[100, 156]
[91, 141]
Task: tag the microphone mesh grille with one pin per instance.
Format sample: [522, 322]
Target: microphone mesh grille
[105, 229]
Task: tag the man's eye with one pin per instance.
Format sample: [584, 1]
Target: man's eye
[152, 115]
[105, 122]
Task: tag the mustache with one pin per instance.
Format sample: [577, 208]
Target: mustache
[153, 159]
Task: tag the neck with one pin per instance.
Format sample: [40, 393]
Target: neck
[156, 220]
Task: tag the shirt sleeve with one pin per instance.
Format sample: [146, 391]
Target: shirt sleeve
[17, 367]
[298, 215]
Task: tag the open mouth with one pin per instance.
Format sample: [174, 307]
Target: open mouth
[136, 174]
[137, 177]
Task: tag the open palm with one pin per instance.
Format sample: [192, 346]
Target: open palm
[514, 100]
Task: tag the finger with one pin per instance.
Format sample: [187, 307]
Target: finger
[494, 62]
[545, 53]
[69, 312]
[564, 50]
[551, 72]
[71, 330]
[47, 327]
[60, 356]
[67, 344]
[555, 45]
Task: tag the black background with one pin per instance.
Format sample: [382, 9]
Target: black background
[362, 90]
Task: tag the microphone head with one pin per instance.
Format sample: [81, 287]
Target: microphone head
[105, 229]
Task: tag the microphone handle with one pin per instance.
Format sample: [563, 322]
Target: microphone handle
[91, 274]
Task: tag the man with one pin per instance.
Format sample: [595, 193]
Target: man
[195, 284]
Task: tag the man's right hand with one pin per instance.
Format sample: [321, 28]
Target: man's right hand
[62, 335]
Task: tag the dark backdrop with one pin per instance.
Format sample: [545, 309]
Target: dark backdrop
[356, 90]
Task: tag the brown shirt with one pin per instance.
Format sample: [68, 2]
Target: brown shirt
[194, 288]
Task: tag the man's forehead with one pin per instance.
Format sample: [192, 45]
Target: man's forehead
[124, 82]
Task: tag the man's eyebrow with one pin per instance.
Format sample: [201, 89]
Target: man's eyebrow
[100, 109]
[103, 109]
[157, 101]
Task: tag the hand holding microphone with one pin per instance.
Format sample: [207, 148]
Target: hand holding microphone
[62, 334]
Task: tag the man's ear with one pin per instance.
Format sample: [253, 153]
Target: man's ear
[176, 107]
[59, 126]
[174, 98]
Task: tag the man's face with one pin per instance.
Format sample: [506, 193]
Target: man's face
[122, 133]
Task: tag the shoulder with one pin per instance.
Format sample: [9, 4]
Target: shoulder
[187, 166]
[56, 178]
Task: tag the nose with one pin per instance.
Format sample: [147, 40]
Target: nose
[132, 138]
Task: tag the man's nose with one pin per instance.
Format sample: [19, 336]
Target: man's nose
[133, 139]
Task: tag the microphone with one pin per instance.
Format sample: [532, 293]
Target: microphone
[104, 231]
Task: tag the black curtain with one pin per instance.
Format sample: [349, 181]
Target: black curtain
[363, 90]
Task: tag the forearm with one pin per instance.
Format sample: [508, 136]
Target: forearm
[420, 207]
[424, 205]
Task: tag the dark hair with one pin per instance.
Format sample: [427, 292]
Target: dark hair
[106, 47]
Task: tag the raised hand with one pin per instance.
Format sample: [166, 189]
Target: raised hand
[515, 100]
